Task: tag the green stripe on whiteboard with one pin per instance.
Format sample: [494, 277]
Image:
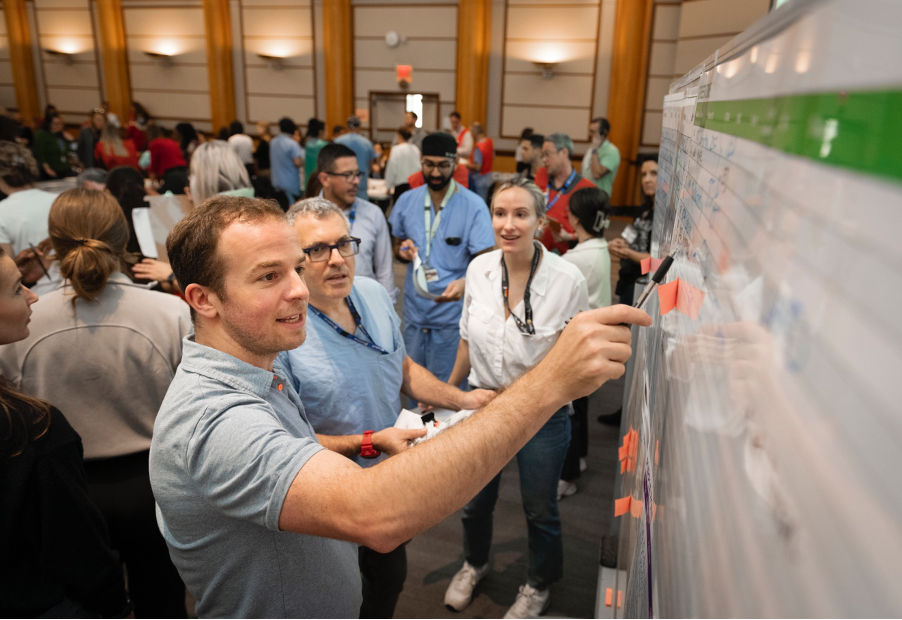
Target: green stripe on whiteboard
[860, 131]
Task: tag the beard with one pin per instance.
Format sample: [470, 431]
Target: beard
[439, 183]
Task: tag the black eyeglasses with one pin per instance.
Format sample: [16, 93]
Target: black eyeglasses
[347, 176]
[321, 251]
[444, 166]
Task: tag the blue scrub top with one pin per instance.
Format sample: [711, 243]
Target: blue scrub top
[465, 217]
[346, 387]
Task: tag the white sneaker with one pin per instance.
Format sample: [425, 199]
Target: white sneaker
[460, 591]
[530, 603]
[565, 489]
[583, 466]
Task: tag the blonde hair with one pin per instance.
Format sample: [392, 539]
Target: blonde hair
[89, 234]
[216, 168]
[112, 142]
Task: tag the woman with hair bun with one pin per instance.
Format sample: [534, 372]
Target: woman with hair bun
[108, 349]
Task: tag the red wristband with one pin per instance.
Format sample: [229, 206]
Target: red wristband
[367, 450]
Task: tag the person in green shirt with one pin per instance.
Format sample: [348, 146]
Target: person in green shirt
[313, 144]
[51, 149]
[601, 161]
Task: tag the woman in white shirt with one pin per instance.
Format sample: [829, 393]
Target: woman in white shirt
[588, 212]
[517, 301]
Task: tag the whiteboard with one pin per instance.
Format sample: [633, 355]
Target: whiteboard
[764, 477]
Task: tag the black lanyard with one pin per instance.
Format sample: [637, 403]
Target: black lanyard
[563, 190]
[527, 327]
[357, 321]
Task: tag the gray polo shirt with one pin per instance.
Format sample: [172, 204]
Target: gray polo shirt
[229, 440]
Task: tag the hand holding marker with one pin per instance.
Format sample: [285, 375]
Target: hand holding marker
[656, 279]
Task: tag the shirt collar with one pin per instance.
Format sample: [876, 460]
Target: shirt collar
[595, 243]
[539, 281]
[221, 366]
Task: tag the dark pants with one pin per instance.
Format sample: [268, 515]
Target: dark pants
[383, 576]
[120, 487]
[579, 439]
[539, 462]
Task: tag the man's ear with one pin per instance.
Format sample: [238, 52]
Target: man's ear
[204, 301]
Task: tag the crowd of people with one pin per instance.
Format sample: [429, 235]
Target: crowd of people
[226, 417]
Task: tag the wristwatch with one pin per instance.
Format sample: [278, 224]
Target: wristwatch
[367, 450]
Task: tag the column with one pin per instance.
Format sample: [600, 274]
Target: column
[474, 21]
[114, 55]
[338, 59]
[218, 28]
[629, 63]
[20, 45]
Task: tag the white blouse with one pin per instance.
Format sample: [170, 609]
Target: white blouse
[499, 352]
[594, 261]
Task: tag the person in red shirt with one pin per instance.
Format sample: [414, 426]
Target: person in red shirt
[113, 151]
[558, 180]
[481, 161]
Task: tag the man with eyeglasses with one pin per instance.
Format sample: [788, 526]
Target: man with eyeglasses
[351, 371]
[341, 176]
[439, 228]
[361, 146]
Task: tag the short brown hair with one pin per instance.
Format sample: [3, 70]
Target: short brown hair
[192, 242]
[89, 234]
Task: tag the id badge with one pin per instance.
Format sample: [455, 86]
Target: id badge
[430, 273]
[629, 233]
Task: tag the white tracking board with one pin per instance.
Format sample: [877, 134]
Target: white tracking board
[765, 469]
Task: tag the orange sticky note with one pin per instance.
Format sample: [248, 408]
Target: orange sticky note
[622, 466]
[619, 598]
[654, 509]
[621, 453]
[646, 265]
[634, 446]
[667, 295]
[636, 508]
[689, 299]
[655, 263]
[608, 597]
[622, 505]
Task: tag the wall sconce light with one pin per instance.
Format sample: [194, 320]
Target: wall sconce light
[163, 60]
[275, 62]
[68, 57]
[547, 69]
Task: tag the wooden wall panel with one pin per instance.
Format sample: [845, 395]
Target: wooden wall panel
[430, 48]
[73, 83]
[563, 33]
[284, 29]
[179, 92]
[7, 86]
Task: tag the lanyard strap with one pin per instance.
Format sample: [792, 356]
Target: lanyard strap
[352, 214]
[432, 226]
[527, 327]
[357, 321]
[563, 190]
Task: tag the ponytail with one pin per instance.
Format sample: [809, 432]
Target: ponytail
[89, 233]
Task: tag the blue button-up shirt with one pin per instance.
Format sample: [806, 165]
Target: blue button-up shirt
[464, 218]
[228, 442]
[347, 387]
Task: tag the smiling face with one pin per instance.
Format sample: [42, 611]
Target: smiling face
[330, 279]
[514, 220]
[15, 303]
[338, 189]
[263, 308]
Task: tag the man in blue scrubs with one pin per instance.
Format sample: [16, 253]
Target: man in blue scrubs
[445, 226]
[351, 371]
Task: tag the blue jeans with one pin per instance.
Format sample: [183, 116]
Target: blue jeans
[540, 462]
[433, 349]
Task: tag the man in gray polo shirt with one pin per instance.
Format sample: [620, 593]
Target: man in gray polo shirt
[252, 507]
